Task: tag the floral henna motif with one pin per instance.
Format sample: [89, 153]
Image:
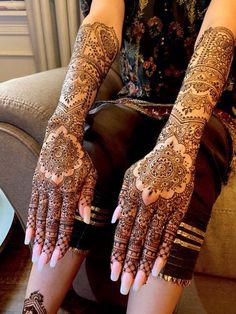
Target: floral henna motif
[159, 187]
[65, 177]
[164, 172]
[206, 75]
[95, 50]
[61, 155]
[34, 304]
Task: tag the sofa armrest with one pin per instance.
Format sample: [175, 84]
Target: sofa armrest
[18, 157]
[29, 102]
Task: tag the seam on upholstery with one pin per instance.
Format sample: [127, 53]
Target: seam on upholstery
[18, 103]
[21, 136]
[224, 210]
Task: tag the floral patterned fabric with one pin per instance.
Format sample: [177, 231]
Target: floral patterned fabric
[158, 42]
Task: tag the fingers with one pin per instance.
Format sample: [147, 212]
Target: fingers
[86, 196]
[31, 222]
[121, 239]
[126, 211]
[135, 249]
[140, 280]
[122, 197]
[52, 226]
[150, 248]
[158, 265]
[65, 228]
[116, 215]
[126, 282]
[169, 233]
[40, 226]
[116, 268]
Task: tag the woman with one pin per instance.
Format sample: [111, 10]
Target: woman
[177, 156]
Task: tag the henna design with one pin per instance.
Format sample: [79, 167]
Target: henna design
[159, 187]
[167, 169]
[65, 176]
[206, 74]
[34, 304]
[95, 50]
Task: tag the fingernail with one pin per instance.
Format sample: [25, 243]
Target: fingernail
[115, 271]
[158, 265]
[36, 253]
[28, 236]
[55, 258]
[126, 283]
[42, 261]
[139, 281]
[87, 214]
[116, 214]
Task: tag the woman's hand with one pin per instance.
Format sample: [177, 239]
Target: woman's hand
[154, 198]
[63, 182]
[157, 190]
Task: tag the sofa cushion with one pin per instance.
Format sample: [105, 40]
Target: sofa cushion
[208, 295]
[218, 254]
[28, 102]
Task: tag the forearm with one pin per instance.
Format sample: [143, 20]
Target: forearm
[95, 49]
[202, 87]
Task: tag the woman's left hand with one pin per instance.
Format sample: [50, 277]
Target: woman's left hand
[154, 198]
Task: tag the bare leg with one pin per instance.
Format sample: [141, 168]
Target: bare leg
[156, 297]
[50, 285]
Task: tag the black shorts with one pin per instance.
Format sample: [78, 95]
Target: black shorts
[117, 136]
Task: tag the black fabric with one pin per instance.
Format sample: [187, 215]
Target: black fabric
[116, 137]
[85, 6]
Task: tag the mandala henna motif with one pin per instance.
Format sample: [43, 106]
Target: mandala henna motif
[166, 171]
[160, 186]
[61, 155]
[64, 171]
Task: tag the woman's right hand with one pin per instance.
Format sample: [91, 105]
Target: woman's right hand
[63, 182]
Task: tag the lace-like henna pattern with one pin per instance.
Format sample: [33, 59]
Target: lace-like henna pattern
[206, 75]
[95, 50]
[158, 188]
[34, 304]
[65, 176]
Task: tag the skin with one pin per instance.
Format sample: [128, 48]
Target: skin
[157, 189]
[65, 177]
[157, 294]
[53, 284]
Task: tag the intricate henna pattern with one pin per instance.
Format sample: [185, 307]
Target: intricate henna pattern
[157, 189]
[34, 304]
[65, 177]
[95, 50]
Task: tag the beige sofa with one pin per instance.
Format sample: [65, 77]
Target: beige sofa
[25, 107]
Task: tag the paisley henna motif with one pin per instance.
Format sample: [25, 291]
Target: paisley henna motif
[157, 189]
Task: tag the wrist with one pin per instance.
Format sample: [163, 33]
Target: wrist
[72, 123]
[188, 134]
